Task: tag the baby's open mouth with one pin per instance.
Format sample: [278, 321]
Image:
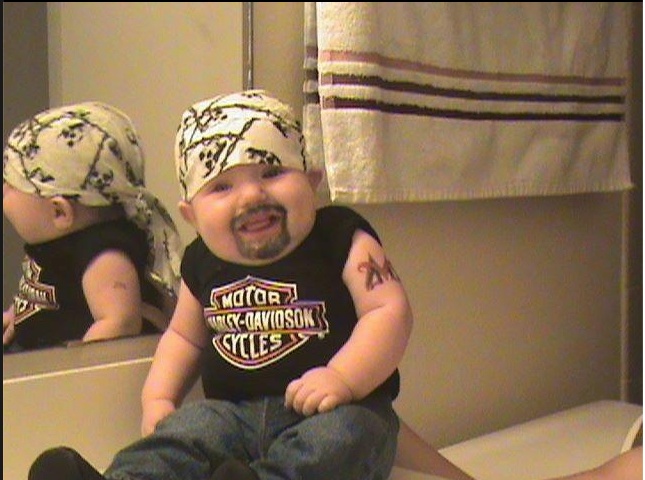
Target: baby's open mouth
[259, 222]
[259, 219]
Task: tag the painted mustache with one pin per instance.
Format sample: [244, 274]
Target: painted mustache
[258, 214]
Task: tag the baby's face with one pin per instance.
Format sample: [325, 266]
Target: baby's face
[31, 215]
[255, 214]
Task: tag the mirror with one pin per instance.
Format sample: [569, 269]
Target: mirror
[150, 59]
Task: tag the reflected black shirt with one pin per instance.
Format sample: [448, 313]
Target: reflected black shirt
[50, 307]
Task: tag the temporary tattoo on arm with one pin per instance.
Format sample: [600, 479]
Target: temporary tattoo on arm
[376, 274]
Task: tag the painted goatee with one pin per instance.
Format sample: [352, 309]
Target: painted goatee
[251, 223]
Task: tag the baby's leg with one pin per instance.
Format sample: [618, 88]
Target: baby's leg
[352, 442]
[191, 443]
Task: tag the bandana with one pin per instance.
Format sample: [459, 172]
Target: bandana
[243, 128]
[90, 152]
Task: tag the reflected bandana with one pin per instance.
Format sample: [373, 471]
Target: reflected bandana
[243, 128]
[90, 152]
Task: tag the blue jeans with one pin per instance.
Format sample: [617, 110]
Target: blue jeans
[356, 441]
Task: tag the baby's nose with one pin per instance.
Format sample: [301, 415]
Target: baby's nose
[251, 192]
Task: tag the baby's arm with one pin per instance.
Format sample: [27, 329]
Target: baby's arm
[378, 340]
[112, 291]
[8, 325]
[175, 366]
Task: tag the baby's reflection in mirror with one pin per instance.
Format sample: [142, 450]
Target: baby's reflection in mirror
[101, 251]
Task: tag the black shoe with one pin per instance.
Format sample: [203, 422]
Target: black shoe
[232, 469]
[62, 463]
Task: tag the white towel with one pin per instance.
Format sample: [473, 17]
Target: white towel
[436, 101]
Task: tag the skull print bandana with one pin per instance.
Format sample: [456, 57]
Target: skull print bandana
[90, 152]
[243, 128]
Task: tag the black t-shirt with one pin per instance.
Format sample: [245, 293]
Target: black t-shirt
[50, 307]
[272, 323]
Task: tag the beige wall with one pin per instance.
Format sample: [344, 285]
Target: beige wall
[518, 303]
[152, 60]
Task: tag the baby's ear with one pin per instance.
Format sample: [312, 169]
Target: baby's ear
[186, 211]
[314, 176]
[62, 212]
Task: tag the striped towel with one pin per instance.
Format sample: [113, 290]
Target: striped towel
[447, 101]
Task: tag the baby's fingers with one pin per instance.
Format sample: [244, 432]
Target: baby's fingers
[311, 404]
[328, 403]
[291, 392]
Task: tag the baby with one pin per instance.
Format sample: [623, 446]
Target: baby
[293, 315]
[102, 253]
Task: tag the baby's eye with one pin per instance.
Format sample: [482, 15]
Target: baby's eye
[273, 171]
[220, 187]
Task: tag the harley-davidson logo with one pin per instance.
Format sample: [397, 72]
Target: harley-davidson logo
[256, 322]
[33, 295]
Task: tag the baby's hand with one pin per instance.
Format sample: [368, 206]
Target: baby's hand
[153, 413]
[319, 390]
